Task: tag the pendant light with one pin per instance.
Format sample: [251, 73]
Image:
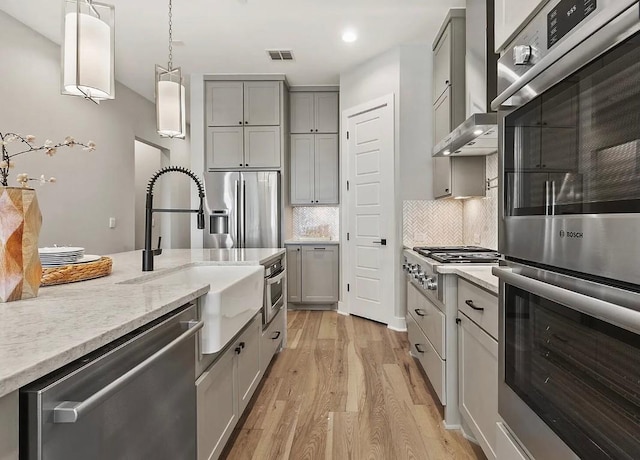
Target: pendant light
[88, 61]
[170, 96]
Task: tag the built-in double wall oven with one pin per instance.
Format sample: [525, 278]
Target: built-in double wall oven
[569, 105]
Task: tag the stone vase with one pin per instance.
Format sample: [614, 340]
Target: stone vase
[20, 223]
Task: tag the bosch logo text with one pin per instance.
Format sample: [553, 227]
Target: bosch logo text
[564, 234]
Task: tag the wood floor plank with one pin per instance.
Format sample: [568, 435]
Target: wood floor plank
[345, 388]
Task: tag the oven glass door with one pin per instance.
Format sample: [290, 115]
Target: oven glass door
[580, 375]
[575, 149]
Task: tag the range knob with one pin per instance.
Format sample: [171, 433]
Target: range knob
[431, 283]
[522, 54]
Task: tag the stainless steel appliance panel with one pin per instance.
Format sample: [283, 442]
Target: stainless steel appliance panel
[133, 399]
[569, 365]
[222, 202]
[529, 66]
[261, 203]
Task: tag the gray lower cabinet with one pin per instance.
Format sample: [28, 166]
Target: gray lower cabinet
[313, 273]
[225, 388]
[478, 364]
[272, 339]
[9, 424]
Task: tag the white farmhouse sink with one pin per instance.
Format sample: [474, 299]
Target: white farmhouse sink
[235, 296]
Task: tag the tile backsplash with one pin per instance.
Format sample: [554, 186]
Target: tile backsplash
[454, 222]
[319, 221]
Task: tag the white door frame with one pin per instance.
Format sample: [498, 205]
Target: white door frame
[396, 319]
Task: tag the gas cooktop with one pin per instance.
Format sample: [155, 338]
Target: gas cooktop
[458, 254]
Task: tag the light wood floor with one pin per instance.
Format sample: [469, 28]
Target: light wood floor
[345, 388]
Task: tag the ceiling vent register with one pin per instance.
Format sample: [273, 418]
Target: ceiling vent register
[280, 55]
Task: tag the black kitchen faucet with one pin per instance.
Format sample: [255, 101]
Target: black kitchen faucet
[148, 253]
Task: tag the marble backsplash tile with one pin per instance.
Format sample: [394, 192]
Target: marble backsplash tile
[318, 221]
[454, 222]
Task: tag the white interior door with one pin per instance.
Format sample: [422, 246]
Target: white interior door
[371, 212]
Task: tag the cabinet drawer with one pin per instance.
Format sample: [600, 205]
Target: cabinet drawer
[430, 319]
[485, 313]
[272, 338]
[433, 366]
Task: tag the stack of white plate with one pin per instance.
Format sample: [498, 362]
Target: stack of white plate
[58, 256]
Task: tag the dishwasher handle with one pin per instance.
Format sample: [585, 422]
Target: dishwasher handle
[71, 411]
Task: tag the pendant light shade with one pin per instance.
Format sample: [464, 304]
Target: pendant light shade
[170, 103]
[170, 95]
[88, 61]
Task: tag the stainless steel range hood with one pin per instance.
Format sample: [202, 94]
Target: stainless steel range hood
[478, 135]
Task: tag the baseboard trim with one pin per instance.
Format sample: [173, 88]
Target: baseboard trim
[398, 324]
[342, 309]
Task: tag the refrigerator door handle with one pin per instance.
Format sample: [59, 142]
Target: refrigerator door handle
[244, 213]
[239, 217]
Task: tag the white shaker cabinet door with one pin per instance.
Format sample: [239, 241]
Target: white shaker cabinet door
[224, 102]
[302, 169]
[225, 146]
[326, 169]
[247, 349]
[326, 112]
[217, 406]
[442, 64]
[302, 113]
[262, 146]
[262, 103]
[320, 273]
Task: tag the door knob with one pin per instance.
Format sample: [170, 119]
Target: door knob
[382, 242]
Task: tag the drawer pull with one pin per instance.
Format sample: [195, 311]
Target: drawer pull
[419, 348]
[242, 344]
[420, 312]
[472, 305]
[238, 350]
[276, 335]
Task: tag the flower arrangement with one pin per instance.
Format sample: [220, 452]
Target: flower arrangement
[28, 144]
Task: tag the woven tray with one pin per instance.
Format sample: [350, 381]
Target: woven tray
[78, 272]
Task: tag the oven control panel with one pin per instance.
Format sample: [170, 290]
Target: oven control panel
[565, 16]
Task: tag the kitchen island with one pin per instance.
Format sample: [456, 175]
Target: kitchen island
[64, 323]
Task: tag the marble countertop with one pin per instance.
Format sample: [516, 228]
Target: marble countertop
[310, 241]
[64, 323]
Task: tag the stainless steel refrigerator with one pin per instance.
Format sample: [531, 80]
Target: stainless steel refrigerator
[243, 208]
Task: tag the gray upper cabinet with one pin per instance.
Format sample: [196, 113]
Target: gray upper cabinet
[224, 103]
[326, 169]
[234, 103]
[459, 176]
[442, 64]
[243, 124]
[314, 169]
[314, 112]
[262, 103]
[449, 75]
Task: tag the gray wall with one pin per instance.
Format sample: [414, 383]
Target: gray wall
[92, 186]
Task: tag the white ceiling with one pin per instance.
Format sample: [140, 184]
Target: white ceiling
[231, 36]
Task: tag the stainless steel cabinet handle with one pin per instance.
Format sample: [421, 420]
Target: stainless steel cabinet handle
[419, 348]
[71, 411]
[472, 305]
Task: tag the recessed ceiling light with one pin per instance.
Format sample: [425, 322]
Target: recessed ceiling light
[349, 36]
[477, 132]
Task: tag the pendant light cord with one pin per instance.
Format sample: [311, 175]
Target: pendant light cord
[170, 38]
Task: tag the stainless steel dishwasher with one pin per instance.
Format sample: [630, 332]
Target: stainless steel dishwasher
[132, 399]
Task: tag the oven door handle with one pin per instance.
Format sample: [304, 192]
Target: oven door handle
[623, 317]
[71, 411]
[276, 278]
